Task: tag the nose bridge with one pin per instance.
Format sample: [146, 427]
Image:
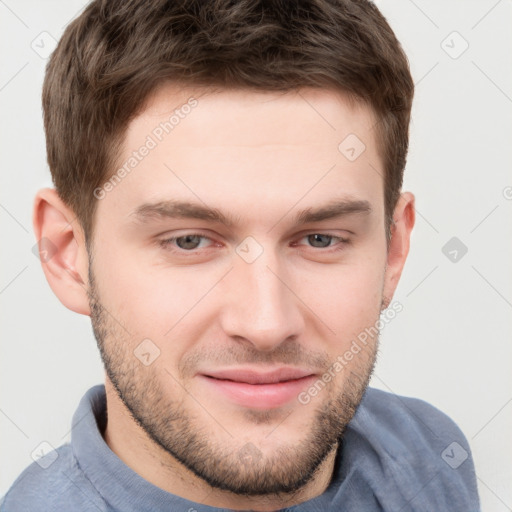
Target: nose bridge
[261, 308]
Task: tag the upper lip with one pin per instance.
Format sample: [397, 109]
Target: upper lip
[252, 376]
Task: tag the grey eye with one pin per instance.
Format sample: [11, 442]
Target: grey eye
[188, 241]
[319, 240]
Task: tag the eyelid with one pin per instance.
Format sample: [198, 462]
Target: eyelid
[330, 232]
[170, 239]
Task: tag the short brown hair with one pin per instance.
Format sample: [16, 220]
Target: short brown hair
[114, 55]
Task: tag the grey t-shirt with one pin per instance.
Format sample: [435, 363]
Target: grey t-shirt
[398, 454]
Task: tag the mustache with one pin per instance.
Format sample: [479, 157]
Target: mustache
[287, 354]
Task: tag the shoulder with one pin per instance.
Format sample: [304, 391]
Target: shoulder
[54, 483]
[421, 450]
[408, 420]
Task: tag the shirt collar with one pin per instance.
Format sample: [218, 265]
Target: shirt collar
[120, 486]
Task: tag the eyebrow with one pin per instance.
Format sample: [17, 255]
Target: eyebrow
[174, 209]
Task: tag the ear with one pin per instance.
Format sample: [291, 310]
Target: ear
[403, 222]
[62, 250]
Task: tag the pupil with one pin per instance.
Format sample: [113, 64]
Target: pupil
[191, 241]
[318, 238]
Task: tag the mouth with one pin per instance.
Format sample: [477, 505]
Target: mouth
[256, 389]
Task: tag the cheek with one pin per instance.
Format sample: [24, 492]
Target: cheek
[147, 300]
[346, 297]
[150, 299]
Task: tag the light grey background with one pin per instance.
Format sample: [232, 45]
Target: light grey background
[451, 343]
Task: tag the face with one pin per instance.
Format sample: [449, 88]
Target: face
[233, 264]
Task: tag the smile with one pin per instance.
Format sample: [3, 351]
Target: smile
[259, 390]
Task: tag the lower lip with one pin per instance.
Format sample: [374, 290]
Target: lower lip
[260, 396]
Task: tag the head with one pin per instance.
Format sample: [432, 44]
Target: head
[228, 207]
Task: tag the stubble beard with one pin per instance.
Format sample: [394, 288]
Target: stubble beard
[239, 468]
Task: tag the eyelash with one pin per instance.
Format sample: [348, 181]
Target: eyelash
[165, 243]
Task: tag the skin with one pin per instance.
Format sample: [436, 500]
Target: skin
[261, 158]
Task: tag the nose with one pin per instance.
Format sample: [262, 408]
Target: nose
[259, 303]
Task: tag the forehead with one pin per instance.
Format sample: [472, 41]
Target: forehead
[248, 152]
[298, 117]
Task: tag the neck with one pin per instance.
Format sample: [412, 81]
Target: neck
[139, 452]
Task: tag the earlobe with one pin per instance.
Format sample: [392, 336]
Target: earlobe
[401, 229]
[62, 250]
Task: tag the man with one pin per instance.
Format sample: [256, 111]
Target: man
[228, 211]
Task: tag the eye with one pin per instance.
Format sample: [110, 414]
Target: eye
[191, 242]
[188, 242]
[323, 241]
